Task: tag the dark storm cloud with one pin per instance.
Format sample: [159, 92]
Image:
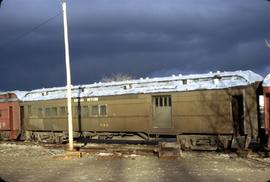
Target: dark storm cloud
[142, 38]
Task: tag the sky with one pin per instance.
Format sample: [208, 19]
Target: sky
[142, 38]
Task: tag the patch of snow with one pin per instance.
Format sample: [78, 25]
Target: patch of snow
[20, 94]
[7, 145]
[266, 81]
[261, 101]
[227, 156]
[105, 154]
[134, 155]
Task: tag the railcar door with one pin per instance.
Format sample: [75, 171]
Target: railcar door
[162, 112]
[238, 115]
[22, 117]
[11, 117]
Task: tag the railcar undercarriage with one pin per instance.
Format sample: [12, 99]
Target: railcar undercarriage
[185, 141]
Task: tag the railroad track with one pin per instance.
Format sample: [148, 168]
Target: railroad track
[122, 148]
[116, 147]
[259, 161]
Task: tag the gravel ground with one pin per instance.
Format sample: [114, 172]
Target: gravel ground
[35, 163]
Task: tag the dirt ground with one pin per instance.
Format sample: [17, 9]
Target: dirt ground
[35, 163]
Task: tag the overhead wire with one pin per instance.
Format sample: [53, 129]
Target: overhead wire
[21, 36]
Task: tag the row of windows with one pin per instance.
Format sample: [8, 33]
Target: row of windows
[164, 101]
[86, 111]
[83, 111]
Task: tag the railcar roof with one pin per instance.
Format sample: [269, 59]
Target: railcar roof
[20, 94]
[266, 81]
[217, 80]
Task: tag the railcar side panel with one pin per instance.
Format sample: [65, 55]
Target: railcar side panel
[124, 115]
[251, 111]
[202, 112]
[195, 113]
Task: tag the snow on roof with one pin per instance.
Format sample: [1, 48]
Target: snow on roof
[217, 80]
[266, 81]
[20, 94]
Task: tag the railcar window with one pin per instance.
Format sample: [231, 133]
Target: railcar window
[89, 110]
[156, 101]
[184, 82]
[40, 112]
[29, 110]
[160, 101]
[95, 110]
[85, 111]
[165, 101]
[75, 111]
[170, 101]
[54, 111]
[47, 111]
[62, 111]
[103, 110]
[34, 111]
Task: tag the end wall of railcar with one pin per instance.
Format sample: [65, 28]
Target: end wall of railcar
[10, 125]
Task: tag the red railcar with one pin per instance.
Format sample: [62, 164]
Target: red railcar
[266, 91]
[10, 125]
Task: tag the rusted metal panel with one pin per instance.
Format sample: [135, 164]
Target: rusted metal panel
[9, 115]
[4, 117]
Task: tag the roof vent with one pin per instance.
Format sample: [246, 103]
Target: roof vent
[217, 78]
[184, 82]
[44, 93]
[129, 86]
[82, 89]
